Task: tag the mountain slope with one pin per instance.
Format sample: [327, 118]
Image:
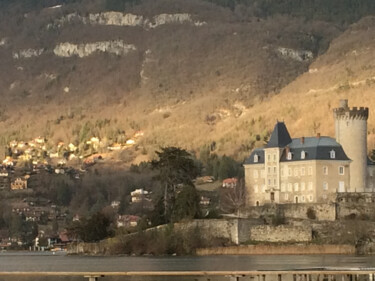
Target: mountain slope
[186, 73]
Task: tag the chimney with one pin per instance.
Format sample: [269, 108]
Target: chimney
[318, 135]
[302, 140]
[287, 150]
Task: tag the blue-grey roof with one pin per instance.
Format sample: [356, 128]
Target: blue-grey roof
[260, 153]
[315, 148]
[280, 136]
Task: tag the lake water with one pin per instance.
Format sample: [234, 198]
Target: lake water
[47, 262]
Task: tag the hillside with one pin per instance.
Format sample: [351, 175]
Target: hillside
[186, 73]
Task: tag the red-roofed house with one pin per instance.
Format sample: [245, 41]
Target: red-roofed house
[230, 183]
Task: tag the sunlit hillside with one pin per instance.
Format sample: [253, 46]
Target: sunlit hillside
[185, 73]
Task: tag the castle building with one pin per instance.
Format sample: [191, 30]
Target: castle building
[312, 169]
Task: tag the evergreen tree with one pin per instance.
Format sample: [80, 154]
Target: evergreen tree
[175, 167]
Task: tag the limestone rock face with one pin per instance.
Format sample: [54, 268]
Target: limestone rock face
[298, 55]
[117, 47]
[114, 18]
[172, 19]
[122, 19]
[28, 53]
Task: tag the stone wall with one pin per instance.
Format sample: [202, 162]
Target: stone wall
[235, 230]
[281, 233]
[322, 212]
[352, 210]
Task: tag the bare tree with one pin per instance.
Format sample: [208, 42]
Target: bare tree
[233, 199]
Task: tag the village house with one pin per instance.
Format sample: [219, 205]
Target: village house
[127, 221]
[115, 204]
[18, 184]
[139, 195]
[204, 201]
[312, 169]
[8, 162]
[230, 183]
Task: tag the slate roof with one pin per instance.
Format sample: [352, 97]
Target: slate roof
[315, 148]
[280, 136]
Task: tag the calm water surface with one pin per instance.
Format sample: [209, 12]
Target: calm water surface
[46, 261]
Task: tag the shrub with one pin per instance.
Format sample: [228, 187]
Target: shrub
[311, 214]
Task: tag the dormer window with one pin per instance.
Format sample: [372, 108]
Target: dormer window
[289, 155]
[332, 154]
[256, 158]
[303, 154]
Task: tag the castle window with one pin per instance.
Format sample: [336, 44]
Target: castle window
[341, 170]
[325, 170]
[263, 188]
[310, 198]
[269, 157]
[310, 186]
[289, 172]
[255, 188]
[290, 188]
[283, 187]
[269, 170]
[302, 186]
[302, 171]
[302, 198]
[332, 154]
[262, 173]
[256, 158]
[289, 156]
[325, 186]
[269, 182]
[286, 196]
[296, 186]
[274, 170]
[274, 157]
[303, 154]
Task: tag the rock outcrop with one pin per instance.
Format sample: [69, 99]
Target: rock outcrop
[122, 19]
[117, 47]
[298, 55]
[28, 53]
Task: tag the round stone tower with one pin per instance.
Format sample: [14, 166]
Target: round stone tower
[351, 133]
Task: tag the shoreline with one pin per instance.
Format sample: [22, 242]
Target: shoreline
[296, 249]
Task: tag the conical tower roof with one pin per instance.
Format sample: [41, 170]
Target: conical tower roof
[280, 136]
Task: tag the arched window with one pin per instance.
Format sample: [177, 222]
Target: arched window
[303, 154]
